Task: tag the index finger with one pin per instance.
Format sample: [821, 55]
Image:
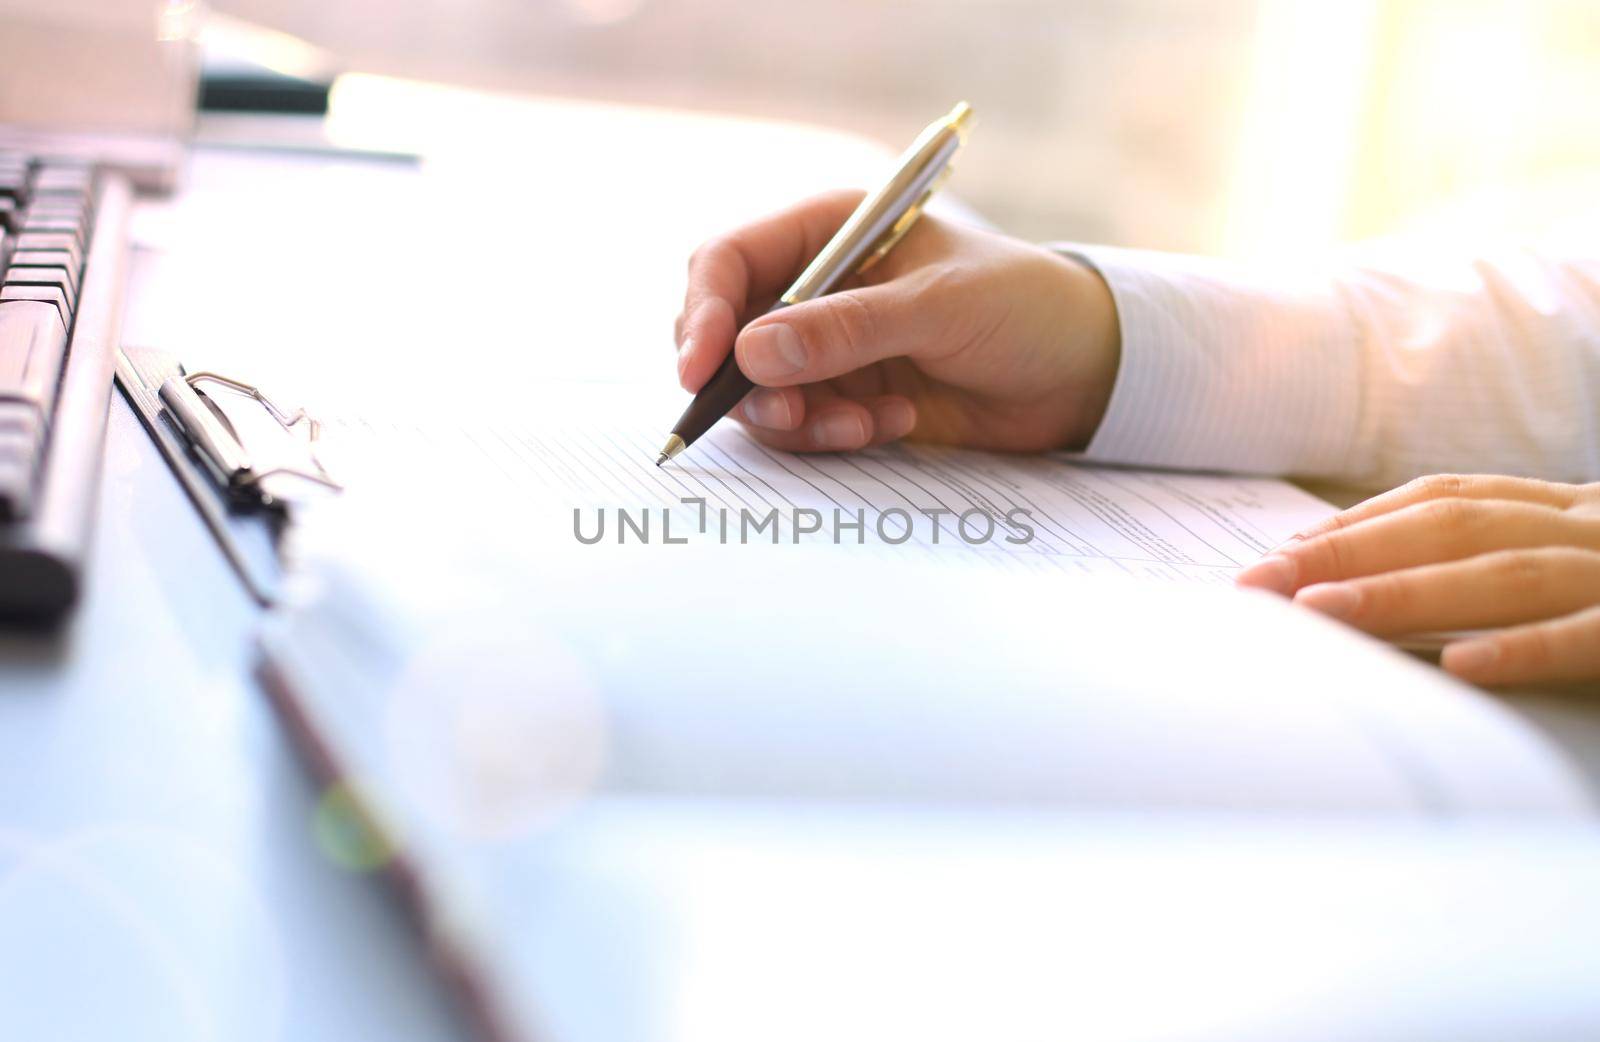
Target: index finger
[754, 261]
[1427, 533]
[1446, 486]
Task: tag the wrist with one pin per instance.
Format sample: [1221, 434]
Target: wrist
[1091, 344]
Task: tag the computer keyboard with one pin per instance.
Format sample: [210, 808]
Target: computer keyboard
[62, 256]
[46, 225]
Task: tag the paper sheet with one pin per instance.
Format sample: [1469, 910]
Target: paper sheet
[1040, 512]
[492, 676]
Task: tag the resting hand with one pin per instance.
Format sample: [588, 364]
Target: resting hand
[956, 335]
[1516, 557]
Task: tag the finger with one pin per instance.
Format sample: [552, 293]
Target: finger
[824, 423]
[803, 403]
[1447, 486]
[893, 417]
[773, 408]
[837, 334]
[728, 272]
[1496, 589]
[834, 423]
[1426, 533]
[1557, 650]
[715, 323]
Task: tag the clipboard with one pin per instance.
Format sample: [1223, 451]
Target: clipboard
[246, 497]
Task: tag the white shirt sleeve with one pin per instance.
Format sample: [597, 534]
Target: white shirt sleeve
[1371, 376]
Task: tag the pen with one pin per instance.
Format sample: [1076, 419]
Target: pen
[866, 235]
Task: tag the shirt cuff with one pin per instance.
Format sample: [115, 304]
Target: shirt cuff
[1228, 369]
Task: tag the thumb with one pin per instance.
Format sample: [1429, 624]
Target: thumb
[836, 334]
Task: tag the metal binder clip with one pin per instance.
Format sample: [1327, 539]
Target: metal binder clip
[216, 441]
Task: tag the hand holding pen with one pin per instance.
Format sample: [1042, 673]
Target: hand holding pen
[954, 335]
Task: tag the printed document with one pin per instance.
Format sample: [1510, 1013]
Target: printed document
[590, 459]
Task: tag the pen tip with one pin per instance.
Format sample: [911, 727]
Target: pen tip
[674, 446]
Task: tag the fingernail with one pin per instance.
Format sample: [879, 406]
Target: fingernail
[1471, 657]
[1336, 600]
[1273, 572]
[683, 357]
[1296, 538]
[766, 408]
[773, 352]
[839, 431]
[692, 321]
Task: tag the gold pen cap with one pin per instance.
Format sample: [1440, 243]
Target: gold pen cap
[888, 213]
[962, 119]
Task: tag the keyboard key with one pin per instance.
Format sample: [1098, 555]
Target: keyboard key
[19, 421]
[16, 489]
[52, 295]
[14, 184]
[21, 445]
[37, 214]
[62, 180]
[33, 342]
[59, 259]
[45, 278]
[32, 224]
[37, 241]
[9, 221]
[44, 210]
[74, 207]
[20, 425]
[73, 200]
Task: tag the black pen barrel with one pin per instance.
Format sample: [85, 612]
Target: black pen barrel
[726, 389]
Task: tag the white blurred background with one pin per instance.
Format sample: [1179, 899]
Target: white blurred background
[1241, 127]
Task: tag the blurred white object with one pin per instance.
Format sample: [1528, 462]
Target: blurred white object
[836, 672]
[767, 792]
[102, 66]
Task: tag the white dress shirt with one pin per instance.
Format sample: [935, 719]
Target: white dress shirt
[1371, 375]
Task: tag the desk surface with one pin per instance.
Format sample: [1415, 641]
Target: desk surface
[157, 848]
[157, 841]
